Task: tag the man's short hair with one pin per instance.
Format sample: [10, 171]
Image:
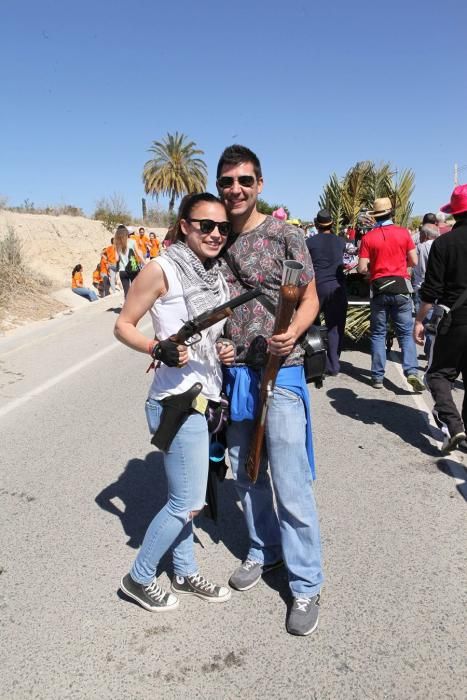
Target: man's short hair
[430, 231]
[236, 154]
[429, 219]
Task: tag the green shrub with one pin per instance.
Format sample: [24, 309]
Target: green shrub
[112, 211]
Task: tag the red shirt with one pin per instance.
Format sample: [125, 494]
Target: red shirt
[386, 247]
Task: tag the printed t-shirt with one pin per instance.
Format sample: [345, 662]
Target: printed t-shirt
[258, 256]
[386, 247]
[77, 280]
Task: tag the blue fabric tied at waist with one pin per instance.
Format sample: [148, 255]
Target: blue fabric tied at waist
[241, 386]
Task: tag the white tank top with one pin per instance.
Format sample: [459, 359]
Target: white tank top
[168, 314]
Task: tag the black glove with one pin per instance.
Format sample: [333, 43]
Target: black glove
[166, 351]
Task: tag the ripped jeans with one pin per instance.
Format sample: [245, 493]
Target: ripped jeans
[186, 465]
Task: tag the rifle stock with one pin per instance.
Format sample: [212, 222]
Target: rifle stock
[288, 298]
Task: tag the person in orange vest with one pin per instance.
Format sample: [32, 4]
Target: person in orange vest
[104, 269]
[112, 264]
[77, 284]
[142, 243]
[154, 246]
[97, 279]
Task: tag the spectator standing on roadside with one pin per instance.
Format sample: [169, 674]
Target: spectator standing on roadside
[154, 246]
[104, 269]
[445, 285]
[125, 248]
[112, 264]
[385, 252]
[142, 243]
[77, 284]
[327, 253]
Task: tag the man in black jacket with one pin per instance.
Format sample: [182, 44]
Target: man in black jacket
[445, 282]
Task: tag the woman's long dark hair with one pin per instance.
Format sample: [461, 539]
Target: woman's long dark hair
[77, 268]
[188, 203]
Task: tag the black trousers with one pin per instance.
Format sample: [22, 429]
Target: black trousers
[126, 282]
[333, 304]
[448, 359]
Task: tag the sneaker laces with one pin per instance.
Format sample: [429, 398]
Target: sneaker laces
[155, 592]
[303, 603]
[249, 564]
[202, 583]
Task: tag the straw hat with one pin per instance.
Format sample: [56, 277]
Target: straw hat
[381, 207]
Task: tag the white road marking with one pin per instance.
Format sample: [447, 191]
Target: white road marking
[423, 406]
[16, 403]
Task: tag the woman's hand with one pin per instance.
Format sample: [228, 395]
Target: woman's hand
[225, 352]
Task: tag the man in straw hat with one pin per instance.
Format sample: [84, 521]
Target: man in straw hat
[327, 254]
[445, 289]
[385, 253]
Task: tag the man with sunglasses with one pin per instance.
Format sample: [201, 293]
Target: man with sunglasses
[254, 256]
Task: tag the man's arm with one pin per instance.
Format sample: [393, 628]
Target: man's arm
[419, 329]
[363, 265]
[307, 310]
[412, 258]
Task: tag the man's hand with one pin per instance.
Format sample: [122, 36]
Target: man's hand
[226, 352]
[282, 345]
[419, 333]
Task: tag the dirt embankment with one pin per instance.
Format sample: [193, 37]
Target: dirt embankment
[52, 246]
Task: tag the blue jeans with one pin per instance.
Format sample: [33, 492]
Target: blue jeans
[398, 307]
[85, 292]
[186, 465]
[292, 532]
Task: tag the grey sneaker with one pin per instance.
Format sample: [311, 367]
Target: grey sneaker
[249, 573]
[201, 587]
[152, 597]
[303, 616]
[416, 382]
[377, 383]
[452, 443]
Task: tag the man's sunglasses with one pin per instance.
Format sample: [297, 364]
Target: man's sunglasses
[225, 182]
[208, 226]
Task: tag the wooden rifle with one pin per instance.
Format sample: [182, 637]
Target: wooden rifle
[288, 298]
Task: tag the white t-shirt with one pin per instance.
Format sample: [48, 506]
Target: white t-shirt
[168, 314]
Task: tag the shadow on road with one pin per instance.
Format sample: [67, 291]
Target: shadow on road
[364, 377]
[406, 422]
[142, 489]
[114, 309]
[455, 471]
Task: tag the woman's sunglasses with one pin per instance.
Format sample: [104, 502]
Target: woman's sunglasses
[208, 226]
[225, 182]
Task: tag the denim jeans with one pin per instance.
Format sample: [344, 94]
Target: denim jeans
[112, 277]
[398, 307]
[85, 292]
[292, 532]
[186, 465]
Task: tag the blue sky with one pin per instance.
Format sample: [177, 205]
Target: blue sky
[311, 87]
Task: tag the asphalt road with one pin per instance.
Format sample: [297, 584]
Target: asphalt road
[80, 482]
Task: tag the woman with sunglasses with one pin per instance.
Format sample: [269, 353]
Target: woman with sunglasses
[180, 284]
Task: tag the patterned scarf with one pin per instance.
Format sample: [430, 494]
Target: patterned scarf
[204, 288]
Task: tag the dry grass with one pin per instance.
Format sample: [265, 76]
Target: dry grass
[23, 291]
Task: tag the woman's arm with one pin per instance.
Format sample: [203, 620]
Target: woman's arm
[148, 286]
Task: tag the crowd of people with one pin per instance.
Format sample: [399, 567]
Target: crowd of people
[221, 246]
[112, 267]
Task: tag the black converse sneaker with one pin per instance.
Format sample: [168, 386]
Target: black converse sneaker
[201, 587]
[152, 597]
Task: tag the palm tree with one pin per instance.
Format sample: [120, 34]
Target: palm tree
[174, 169]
